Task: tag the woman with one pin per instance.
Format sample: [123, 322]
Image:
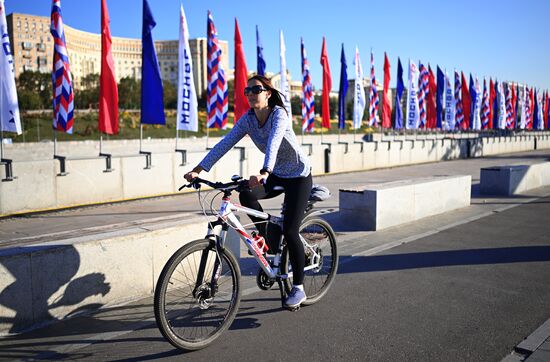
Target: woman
[268, 125]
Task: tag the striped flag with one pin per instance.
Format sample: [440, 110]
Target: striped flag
[359, 98]
[9, 107]
[514, 107]
[423, 89]
[475, 90]
[492, 96]
[216, 93]
[485, 107]
[508, 101]
[459, 116]
[308, 102]
[523, 116]
[63, 95]
[373, 98]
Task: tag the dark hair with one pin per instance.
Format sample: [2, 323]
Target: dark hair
[276, 96]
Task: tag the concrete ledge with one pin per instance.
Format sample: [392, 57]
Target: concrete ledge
[53, 280]
[382, 205]
[514, 179]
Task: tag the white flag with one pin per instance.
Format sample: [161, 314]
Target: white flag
[9, 107]
[285, 89]
[477, 106]
[413, 117]
[501, 106]
[359, 98]
[523, 104]
[188, 116]
[540, 110]
[449, 105]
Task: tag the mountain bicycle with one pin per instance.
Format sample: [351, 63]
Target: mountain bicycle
[198, 292]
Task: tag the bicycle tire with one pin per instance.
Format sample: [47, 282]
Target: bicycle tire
[171, 288]
[315, 229]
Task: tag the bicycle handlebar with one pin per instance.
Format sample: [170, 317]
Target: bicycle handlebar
[233, 185]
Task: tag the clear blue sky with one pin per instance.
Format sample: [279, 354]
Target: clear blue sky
[506, 39]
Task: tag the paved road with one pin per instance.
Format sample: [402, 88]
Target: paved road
[464, 286]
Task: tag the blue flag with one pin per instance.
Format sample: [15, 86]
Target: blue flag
[398, 95]
[152, 97]
[495, 106]
[439, 97]
[260, 53]
[343, 91]
[536, 122]
[473, 95]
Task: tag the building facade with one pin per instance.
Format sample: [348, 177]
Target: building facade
[32, 49]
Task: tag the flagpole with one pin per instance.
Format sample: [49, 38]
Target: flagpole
[140, 135]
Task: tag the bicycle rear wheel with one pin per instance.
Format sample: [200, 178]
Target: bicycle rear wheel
[320, 236]
[191, 308]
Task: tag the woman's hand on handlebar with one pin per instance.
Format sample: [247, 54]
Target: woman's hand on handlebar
[193, 174]
[256, 180]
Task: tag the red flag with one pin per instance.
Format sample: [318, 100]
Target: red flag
[386, 99]
[108, 90]
[514, 110]
[327, 86]
[546, 108]
[532, 101]
[466, 103]
[431, 120]
[492, 96]
[240, 105]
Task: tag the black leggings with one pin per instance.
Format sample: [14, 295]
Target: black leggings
[296, 196]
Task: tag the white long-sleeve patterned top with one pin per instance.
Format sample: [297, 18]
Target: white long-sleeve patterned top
[276, 139]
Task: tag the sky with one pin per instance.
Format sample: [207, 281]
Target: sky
[506, 39]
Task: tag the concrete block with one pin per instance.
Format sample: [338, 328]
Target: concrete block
[514, 179]
[382, 205]
[137, 181]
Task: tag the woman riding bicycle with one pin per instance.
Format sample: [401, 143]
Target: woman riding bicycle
[270, 128]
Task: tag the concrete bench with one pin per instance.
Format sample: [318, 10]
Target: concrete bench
[514, 179]
[381, 205]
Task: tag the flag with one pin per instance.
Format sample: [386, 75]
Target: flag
[508, 104]
[412, 101]
[459, 116]
[476, 104]
[495, 107]
[9, 107]
[546, 110]
[386, 98]
[285, 88]
[240, 103]
[485, 107]
[63, 95]
[423, 89]
[530, 116]
[440, 97]
[373, 97]
[466, 104]
[537, 123]
[259, 54]
[359, 98]
[501, 106]
[430, 100]
[449, 105]
[108, 88]
[398, 95]
[492, 96]
[327, 86]
[342, 91]
[216, 92]
[308, 101]
[152, 95]
[514, 107]
[188, 113]
[523, 118]
[473, 99]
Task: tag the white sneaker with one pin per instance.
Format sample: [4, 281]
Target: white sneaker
[295, 298]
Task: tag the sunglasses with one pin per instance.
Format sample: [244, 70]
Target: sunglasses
[257, 89]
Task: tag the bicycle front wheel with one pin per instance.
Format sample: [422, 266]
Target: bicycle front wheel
[197, 295]
[322, 242]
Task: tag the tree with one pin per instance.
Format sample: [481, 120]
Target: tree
[129, 93]
[296, 105]
[36, 89]
[170, 95]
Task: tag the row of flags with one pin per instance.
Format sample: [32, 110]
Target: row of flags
[432, 101]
